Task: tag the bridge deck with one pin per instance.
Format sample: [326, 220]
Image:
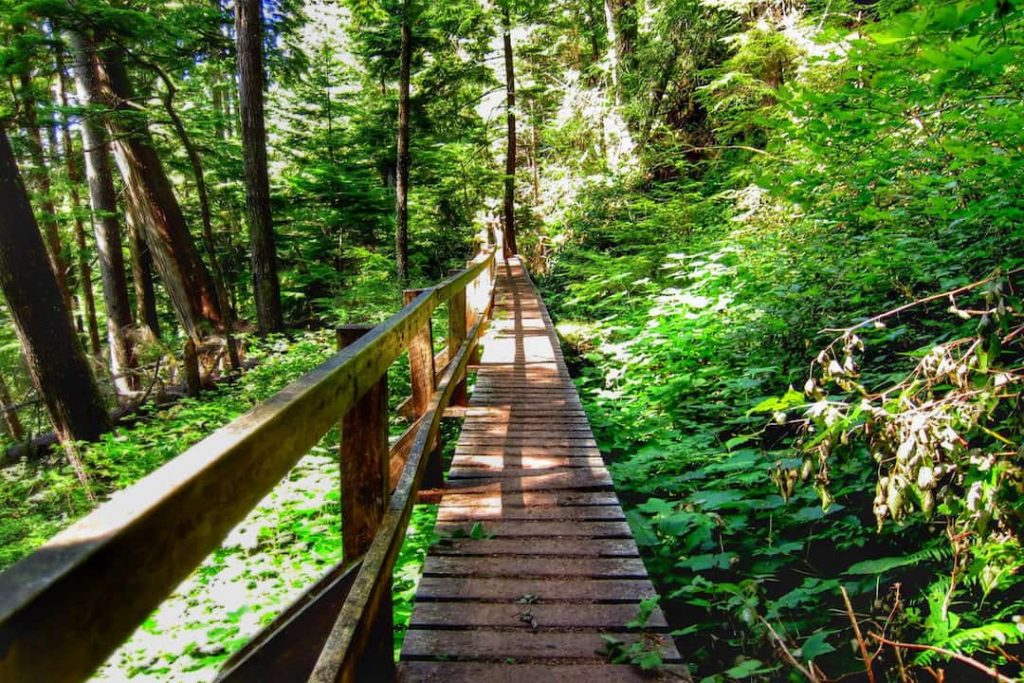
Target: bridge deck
[536, 560]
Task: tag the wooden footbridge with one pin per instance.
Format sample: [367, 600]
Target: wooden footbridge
[535, 562]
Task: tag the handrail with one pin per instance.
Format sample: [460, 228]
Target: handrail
[67, 606]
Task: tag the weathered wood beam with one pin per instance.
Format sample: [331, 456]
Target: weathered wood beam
[286, 650]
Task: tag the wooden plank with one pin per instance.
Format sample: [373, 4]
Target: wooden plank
[495, 462]
[530, 617]
[533, 422]
[571, 479]
[548, 565]
[539, 590]
[544, 528]
[581, 513]
[584, 476]
[531, 498]
[573, 428]
[515, 450]
[548, 438]
[474, 672]
[495, 646]
[576, 547]
[147, 538]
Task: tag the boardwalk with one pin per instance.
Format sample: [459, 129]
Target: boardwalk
[536, 560]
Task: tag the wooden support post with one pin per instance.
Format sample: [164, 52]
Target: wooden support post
[421, 370]
[456, 335]
[421, 362]
[474, 310]
[365, 489]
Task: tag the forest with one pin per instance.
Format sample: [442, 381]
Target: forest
[781, 241]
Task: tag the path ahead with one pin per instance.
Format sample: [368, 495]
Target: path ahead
[538, 561]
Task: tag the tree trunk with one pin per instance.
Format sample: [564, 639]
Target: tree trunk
[510, 248]
[402, 171]
[10, 415]
[204, 209]
[50, 348]
[107, 228]
[620, 21]
[146, 316]
[613, 50]
[150, 197]
[266, 286]
[534, 152]
[40, 179]
[74, 172]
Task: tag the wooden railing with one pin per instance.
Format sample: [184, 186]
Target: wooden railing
[67, 606]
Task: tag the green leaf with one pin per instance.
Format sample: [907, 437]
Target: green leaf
[744, 669]
[816, 646]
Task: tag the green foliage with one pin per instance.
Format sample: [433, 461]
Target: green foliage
[692, 308]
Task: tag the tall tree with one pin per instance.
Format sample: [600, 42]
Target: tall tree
[621, 26]
[40, 178]
[510, 247]
[106, 227]
[55, 360]
[251, 79]
[74, 172]
[151, 200]
[147, 317]
[403, 158]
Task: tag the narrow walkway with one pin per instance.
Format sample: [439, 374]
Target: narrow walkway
[536, 560]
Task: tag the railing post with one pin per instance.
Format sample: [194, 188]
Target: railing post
[365, 489]
[421, 362]
[474, 311]
[456, 335]
[422, 376]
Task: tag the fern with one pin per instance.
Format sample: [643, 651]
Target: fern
[970, 639]
[939, 552]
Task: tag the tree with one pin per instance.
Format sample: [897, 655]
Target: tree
[266, 286]
[55, 360]
[41, 180]
[74, 173]
[107, 228]
[510, 248]
[151, 199]
[403, 158]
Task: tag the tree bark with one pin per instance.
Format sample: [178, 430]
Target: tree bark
[620, 21]
[150, 197]
[266, 286]
[534, 153]
[106, 227]
[204, 210]
[12, 423]
[510, 248]
[146, 315]
[40, 178]
[50, 348]
[74, 172]
[403, 158]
